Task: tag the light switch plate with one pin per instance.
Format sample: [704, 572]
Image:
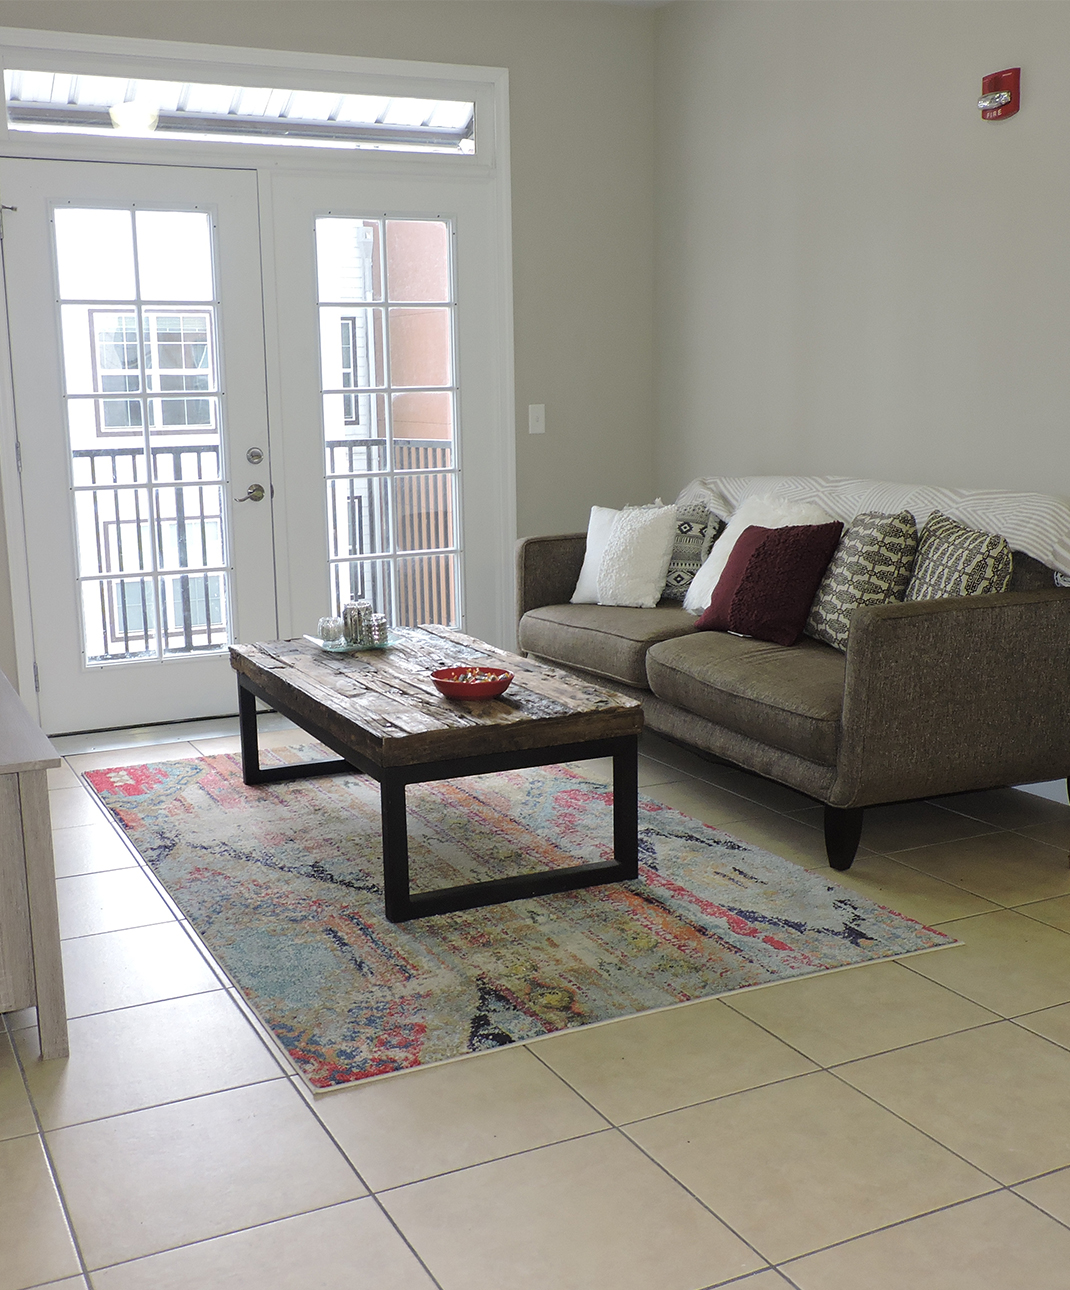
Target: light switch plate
[536, 418]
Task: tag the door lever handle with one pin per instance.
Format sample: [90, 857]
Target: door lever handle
[254, 493]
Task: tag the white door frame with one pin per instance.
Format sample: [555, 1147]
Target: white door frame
[172, 60]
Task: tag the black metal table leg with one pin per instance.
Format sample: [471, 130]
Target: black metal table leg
[626, 807]
[252, 771]
[402, 903]
[395, 849]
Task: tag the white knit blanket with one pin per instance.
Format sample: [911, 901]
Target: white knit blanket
[1034, 523]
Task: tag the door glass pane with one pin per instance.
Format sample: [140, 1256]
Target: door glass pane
[94, 254]
[419, 259]
[348, 260]
[424, 505]
[120, 618]
[419, 346]
[194, 612]
[101, 354]
[142, 384]
[354, 426]
[114, 530]
[174, 255]
[106, 440]
[423, 431]
[363, 580]
[358, 512]
[391, 466]
[189, 527]
[427, 585]
[352, 349]
[183, 416]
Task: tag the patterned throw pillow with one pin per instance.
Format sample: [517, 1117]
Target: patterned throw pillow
[696, 529]
[871, 566]
[956, 561]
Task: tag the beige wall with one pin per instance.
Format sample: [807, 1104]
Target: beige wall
[857, 274]
[581, 103]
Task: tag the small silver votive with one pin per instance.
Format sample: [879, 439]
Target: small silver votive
[330, 630]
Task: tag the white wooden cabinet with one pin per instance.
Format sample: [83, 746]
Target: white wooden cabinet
[31, 970]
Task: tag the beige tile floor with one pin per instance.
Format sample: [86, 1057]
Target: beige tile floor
[902, 1124]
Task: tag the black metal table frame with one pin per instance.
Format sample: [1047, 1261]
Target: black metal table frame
[402, 903]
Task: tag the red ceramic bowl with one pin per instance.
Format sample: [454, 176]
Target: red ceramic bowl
[471, 682]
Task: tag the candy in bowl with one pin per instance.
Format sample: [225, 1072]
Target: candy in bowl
[471, 682]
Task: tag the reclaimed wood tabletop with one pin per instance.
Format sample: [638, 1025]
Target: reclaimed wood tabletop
[385, 703]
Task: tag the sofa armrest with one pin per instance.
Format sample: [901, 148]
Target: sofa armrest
[547, 569]
[946, 696]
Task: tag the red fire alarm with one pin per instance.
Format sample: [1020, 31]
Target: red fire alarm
[1000, 94]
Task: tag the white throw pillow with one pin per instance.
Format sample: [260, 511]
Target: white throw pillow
[636, 556]
[769, 513]
[598, 530]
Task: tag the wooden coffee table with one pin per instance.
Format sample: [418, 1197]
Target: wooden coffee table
[381, 713]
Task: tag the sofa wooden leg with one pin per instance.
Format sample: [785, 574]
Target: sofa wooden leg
[843, 828]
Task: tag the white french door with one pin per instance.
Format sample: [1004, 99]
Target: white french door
[198, 468]
[136, 331]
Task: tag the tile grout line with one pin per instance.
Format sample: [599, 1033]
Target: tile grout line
[85, 1271]
[372, 1194]
[492, 1160]
[888, 1227]
[616, 1128]
[999, 1186]
[999, 1016]
[1033, 1204]
[253, 1227]
[50, 1163]
[154, 1106]
[833, 1071]
[924, 1132]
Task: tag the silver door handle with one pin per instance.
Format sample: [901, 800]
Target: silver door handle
[254, 493]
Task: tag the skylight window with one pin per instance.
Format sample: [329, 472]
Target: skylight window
[64, 103]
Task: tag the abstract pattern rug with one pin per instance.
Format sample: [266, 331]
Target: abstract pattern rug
[283, 882]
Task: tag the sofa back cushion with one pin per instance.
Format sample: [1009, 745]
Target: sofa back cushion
[1028, 574]
[871, 566]
[769, 581]
[953, 560]
[1035, 523]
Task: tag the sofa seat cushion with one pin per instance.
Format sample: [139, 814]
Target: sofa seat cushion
[603, 639]
[790, 697]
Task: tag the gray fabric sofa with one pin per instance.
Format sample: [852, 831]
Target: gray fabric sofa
[931, 697]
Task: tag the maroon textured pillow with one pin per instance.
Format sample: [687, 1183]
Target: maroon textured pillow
[770, 582]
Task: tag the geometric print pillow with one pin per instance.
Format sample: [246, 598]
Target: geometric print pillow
[696, 529]
[956, 561]
[871, 566]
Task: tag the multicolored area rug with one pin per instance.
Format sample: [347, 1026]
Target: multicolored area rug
[283, 882]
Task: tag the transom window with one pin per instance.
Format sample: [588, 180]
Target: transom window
[62, 102]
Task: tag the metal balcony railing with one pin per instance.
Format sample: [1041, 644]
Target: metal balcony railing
[141, 557]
